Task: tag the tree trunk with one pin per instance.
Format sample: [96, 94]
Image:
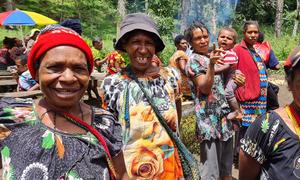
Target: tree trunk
[9, 5]
[146, 6]
[297, 19]
[278, 20]
[122, 13]
[185, 6]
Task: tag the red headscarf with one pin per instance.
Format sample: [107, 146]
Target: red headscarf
[57, 36]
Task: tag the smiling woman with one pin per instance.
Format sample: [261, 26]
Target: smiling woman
[147, 101]
[58, 136]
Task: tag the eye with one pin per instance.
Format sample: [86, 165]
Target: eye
[54, 68]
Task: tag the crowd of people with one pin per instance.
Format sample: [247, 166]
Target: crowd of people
[134, 133]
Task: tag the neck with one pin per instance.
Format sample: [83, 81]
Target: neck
[149, 72]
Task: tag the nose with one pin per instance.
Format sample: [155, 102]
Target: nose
[68, 76]
[142, 49]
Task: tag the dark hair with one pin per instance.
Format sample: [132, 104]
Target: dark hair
[9, 42]
[23, 59]
[261, 37]
[178, 38]
[235, 35]
[188, 33]
[96, 39]
[114, 42]
[290, 73]
[248, 23]
[128, 35]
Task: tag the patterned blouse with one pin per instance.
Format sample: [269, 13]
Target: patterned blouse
[274, 146]
[31, 150]
[148, 150]
[210, 110]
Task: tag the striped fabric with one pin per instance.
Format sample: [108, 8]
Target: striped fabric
[229, 57]
[251, 109]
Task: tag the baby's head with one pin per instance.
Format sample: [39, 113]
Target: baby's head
[227, 38]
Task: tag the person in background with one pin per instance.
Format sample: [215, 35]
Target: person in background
[31, 39]
[270, 147]
[213, 129]
[178, 61]
[73, 24]
[149, 149]
[5, 58]
[98, 55]
[115, 62]
[252, 96]
[59, 136]
[263, 48]
[23, 76]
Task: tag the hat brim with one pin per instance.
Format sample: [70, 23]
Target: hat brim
[159, 44]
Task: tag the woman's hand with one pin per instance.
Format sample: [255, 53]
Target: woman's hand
[239, 79]
[215, 56]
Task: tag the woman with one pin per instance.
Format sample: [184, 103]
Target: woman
[178, 61]
[213, 129]
[270, 148]
[59, 136]
[149, 151]
[252, 96]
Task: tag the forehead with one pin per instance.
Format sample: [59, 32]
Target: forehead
[252, 27]
[140, 34]
[199, 32]
[64, 54]
[183, 41]
[226, 32]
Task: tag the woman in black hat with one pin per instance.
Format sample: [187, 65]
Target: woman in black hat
[147, 101]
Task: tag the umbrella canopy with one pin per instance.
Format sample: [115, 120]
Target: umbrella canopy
[24, 18]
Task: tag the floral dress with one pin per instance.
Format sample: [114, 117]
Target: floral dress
[210, 110]
[148, 150]
[31, 150]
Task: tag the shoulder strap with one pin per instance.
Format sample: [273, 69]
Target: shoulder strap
[99, 137]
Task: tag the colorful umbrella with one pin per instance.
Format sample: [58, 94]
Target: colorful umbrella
[24, 18]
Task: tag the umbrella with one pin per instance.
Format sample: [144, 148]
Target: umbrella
[24, 18]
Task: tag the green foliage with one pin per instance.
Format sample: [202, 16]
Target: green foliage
[187, 134]
[168, 51]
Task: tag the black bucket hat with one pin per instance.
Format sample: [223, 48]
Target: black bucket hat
[139, 21]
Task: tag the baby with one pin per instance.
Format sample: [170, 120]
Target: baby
[226, 41]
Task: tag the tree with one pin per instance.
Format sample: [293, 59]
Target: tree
[184, 14]
[297, 19]
[278, 19]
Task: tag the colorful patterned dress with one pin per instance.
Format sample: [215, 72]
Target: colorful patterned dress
[173, 62]
[251, 109]
[115, 62]
[31, 150]
[210, 110]
[148, 150]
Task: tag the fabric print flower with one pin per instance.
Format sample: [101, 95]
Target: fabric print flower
[48, 140]
[8, 169]
[89, 137]
[4, 132]
[145, 160]
[18, 113]
[59, 146]
[105, 124]
[73, 175]
[35, 168]
[265, 126]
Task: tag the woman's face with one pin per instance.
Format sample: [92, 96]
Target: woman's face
[63, 76]
[251, 34]
[294, 86]
[200, 41]
[140, 48]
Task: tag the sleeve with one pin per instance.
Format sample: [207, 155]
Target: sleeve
[194, 66]
[259, 139]
[23, 83]
[110, 129]
[175, 80]
[109, 94]
[273, 61]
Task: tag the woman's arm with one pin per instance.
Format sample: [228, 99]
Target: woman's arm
[119, 165]
[249, 168]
